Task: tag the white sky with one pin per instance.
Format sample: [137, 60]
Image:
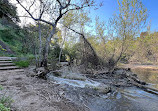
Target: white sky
[22, 12]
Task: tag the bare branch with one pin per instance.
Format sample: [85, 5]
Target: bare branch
[59, 3]
[25, 16]
[36, 19]
[42, 11]
[73, 30]
[26, 10]
[67, 4]
[31, 4]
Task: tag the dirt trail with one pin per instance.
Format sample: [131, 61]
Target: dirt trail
[139, 66]
[33, 94]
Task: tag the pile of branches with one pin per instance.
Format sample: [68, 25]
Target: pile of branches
[89, 56]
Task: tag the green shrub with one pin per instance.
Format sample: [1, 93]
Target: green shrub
[25, 60]
[23, 63]
[3, 108]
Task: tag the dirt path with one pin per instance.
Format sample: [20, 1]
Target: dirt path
[33, 94]
[135, 66]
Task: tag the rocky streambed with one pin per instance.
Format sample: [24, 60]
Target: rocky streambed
[120, 90]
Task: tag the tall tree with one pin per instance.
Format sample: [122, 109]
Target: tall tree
[55, 10]
[129, 22]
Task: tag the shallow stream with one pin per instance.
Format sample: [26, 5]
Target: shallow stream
[131, 98]
[148, 75]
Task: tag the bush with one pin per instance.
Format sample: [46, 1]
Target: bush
[22, 63]
[3, 108]
[24, 60]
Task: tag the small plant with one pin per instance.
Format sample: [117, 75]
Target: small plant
[5, 101]
[96, 88]
[3, 108]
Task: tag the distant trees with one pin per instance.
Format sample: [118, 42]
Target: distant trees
[146, 48]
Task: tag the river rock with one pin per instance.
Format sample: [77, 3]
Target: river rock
[102, 88]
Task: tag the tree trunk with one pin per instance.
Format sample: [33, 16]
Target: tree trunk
[62, 45]
[46, 50]
[40, 46]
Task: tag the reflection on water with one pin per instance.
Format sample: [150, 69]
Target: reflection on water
[148, 76]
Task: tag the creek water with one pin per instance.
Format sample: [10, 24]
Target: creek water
[131, 98]
[123, 99]
[148, 75]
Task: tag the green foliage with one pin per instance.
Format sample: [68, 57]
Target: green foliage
[5, 101]
[22, 63]
[74, 17]
[3, 108]
[2, 49]
[55, 51]
[6, 54]
[25, 60]
[12, 38]
[20, 41]
[72, 51]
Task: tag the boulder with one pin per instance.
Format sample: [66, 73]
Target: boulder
[102, 88]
